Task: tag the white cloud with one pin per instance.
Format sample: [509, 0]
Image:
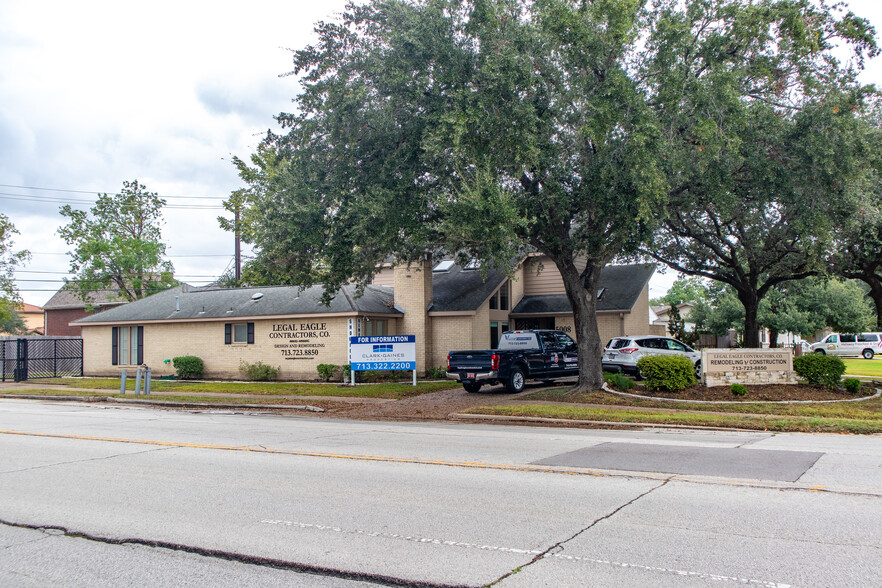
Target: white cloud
[100, 91]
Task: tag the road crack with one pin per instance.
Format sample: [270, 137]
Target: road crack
[559, 545]
[231, 556]
[104, 457]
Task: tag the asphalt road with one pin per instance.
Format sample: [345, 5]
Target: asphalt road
[103, 496]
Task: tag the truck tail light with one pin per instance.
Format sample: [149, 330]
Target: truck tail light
[494, 361]
[448, 362]
[628, 350]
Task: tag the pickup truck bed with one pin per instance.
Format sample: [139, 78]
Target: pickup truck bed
[522, 355]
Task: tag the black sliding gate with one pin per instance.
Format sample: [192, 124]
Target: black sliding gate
[22, 358]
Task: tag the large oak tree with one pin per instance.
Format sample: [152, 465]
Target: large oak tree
[490, 127]
[766, 145]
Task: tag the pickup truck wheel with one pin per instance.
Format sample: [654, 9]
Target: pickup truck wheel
[472, 387]
[515, 382]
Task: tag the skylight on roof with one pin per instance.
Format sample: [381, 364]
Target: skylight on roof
[443, 266]
[600, 292]
[473, 265]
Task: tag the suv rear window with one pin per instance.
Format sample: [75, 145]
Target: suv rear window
[619, 343]
[863, 337]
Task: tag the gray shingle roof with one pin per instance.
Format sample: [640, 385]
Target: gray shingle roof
[459, 289]
[621, 287]
[208, 303]
[67, 298]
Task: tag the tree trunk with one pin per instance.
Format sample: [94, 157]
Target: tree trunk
[876, 294]
[750, 300]
[583, 299]
[773, 337]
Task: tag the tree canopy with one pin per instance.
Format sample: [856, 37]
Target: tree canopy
[10, 298]
[765, 139]
[117, 245]
[487, 128]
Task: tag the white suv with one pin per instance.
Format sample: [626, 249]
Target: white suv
[843, 344]
[622, 353]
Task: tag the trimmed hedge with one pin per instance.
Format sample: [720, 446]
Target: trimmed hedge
[819, 369]
[622, 382]
[189, 367]
[738, 389]
[259, 372]
[667, 372]
[852, 385]
[326, 371]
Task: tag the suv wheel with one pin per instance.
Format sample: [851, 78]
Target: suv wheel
[867, 353]
[515, 382]
[821, 351]
[698, 369]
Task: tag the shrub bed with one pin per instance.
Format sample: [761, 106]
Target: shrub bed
[819, 369]
[666, 372]
[189, 367]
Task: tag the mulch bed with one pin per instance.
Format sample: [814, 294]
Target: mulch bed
[774, 392]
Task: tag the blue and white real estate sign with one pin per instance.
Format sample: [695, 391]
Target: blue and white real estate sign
[390, 352]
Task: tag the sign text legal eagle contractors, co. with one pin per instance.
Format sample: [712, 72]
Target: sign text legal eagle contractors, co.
[299, 340]
[717, 361]
[390, 352]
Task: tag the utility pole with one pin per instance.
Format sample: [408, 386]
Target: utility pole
[238, 250]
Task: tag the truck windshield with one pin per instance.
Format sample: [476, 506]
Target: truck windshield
[518, 341]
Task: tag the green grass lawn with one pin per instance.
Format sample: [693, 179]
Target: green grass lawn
[393, 390]
[740, 421]
[863, 367]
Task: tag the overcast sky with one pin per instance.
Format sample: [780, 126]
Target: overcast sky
[93, 93]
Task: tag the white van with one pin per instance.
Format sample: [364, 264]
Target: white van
[844, 344]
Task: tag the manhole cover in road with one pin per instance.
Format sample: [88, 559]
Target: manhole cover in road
[754, 464]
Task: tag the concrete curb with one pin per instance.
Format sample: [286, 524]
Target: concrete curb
[546, 420]
[606, 388]
[143, 402]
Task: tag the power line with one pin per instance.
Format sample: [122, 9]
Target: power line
[169, 256]
[28, 198]
[104, 192]
[18, 271]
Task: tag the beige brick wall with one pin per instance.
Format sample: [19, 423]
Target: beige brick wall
[452, 333]
[547, 281]
[413, 294]
[287, 350]
[517, 286]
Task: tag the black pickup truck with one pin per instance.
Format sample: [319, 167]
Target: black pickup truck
[539, 355]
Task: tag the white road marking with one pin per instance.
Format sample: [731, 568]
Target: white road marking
[574, 558]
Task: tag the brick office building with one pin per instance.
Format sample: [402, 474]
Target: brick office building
[444, 305]
[66, 306]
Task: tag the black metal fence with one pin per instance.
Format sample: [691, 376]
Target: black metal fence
[22, 358]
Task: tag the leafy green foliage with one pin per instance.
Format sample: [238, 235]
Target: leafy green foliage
[819, 369]
[326, 371]
[189, 367]
[479, 128]
[118, 245]
[684, 289]
[666, 372]
[622, 382]
[259, 371]
[852, 385]
[436, 373]
[677, 327]
[765, 139]
[739, 389]
[10, 321]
